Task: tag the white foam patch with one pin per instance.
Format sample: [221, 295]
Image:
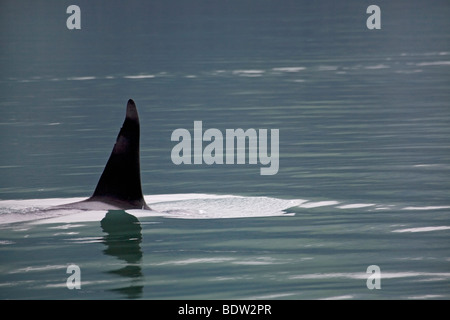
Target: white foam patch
[249, 73]
[38, 268]
[194, 261]
[81, 78]
[434, 63]
[363, 275]
[427, 208]
[427, 296]
[182, 206]
[220, 207]
[423, 229]
[356, 206]
[318, 204]
[289, 69]
[140, 76]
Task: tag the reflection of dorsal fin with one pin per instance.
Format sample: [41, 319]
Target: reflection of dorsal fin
[120, 182]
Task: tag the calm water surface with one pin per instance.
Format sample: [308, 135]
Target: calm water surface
[364, 122]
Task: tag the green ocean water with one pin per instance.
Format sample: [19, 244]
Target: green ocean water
[363, 117]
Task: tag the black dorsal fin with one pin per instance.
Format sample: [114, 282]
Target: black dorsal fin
[120, 182]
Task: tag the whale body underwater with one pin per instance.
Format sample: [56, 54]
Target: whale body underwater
[119, 186]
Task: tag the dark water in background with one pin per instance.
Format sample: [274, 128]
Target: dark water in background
[363, 118]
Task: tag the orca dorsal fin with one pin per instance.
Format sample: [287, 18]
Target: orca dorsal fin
[120, 182]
